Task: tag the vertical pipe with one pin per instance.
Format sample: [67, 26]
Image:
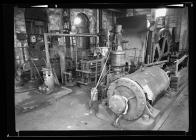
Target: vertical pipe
[100, 19]
[61, 54]
[76, 51]
[149, 45]
[100, 25]
[97, 12]
[23, 53]
[97, 38]
[47, 51]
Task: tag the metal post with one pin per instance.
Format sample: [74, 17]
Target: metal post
[176, 71]
[76, 52]
[178, 62]
[156, 63]
[100, 26]
[97, 39]
[96, 73]
[47, 51]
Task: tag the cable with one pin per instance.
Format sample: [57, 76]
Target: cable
[100, 75]
[103, 69]
[104, 75]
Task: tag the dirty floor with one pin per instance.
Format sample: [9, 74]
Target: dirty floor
[71, 112]
[178, 119]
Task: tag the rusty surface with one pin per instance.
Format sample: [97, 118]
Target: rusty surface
[154, 77]
[152, 81]
[132, 91]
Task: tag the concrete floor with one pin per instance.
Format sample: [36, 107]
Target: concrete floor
[71, 113]
[178, 119]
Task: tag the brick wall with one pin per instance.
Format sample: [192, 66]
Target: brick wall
[90, 13]
[55, 19]
[107, 23]
[107, 20]
[135, 12]
[136, 40]
[19, 27]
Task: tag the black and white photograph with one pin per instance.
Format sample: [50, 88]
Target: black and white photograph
[103, 69]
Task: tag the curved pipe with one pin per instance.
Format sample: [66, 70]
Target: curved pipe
[61, 51]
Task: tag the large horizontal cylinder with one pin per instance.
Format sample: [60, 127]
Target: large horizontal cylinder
[153, 80]
[135, 88]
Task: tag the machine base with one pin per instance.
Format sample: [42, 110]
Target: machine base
[143, 123]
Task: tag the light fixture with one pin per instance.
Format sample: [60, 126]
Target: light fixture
[40, 6]
[160, 12]
[148, 23]
[176, 5]
[77, 21]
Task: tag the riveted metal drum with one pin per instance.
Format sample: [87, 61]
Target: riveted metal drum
[150, 81]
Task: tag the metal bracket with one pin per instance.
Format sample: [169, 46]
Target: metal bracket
[149, 110]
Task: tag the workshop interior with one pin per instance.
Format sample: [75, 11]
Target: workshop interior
[101, 69]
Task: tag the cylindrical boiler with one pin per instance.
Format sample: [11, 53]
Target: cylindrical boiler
[82, 28]
[127, 95]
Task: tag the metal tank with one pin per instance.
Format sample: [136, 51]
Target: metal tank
[128, 95]
[118, 35]
[117, 60]
[118, 55]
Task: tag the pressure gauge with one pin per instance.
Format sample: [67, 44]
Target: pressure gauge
[33, 39]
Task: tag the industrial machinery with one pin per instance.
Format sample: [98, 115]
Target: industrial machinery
[130, 94]
[117, 57]
[131, 97]
[89, 71]
[115, 70]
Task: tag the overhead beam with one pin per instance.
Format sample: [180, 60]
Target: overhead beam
[116, 10]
